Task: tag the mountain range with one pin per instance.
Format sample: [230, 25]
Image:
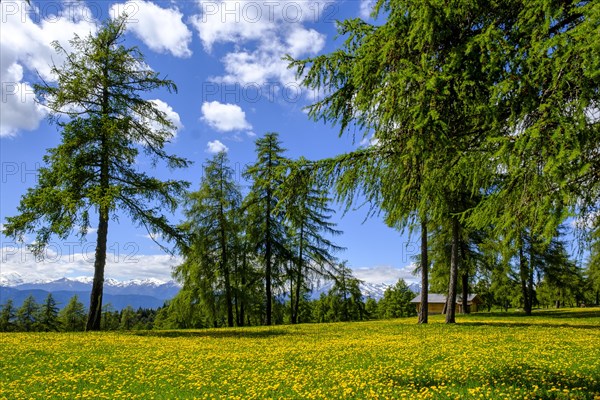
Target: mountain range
[145, 293]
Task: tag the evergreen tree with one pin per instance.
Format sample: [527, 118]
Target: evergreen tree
[396, 301]
[307, 212]
[345, 297]
[72, 317]
[128, 318]
[211, 225]
[266, 228]
[27, 315]
[93, 170]
[48, 315]
[7, 317]
[423, 96]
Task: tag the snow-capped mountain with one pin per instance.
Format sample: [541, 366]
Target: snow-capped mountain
[146, 293]
[11, 279]
[147, 287]
[368, 289]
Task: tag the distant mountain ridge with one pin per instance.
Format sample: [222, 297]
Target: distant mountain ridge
[145, 293]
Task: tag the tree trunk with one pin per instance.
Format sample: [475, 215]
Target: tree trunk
[530, 292]
[268, 289]
[295, 313]
[424, 311]
[95, 312]
[465, 293]
[451, 301]
[524, 277]
[225, 270]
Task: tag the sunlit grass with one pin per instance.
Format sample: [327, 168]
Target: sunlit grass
[550, 355]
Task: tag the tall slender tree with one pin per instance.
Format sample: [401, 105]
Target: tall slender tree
[93, 170]
[48, 315]
[266, 226]
[7, 316]
[423, 95]
[27, 314]
[212, 229]
[307, 212]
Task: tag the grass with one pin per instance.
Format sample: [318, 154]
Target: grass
[551, 355]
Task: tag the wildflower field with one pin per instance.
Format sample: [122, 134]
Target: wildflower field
[551, 355]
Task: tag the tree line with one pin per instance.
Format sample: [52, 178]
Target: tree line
[47, 317]
[343, 303]
[483, 122]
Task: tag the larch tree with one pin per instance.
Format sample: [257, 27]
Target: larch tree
[48, 314]
[416, 84]
[307, 211]
[92, 172]
[212, 230]
[266, 227]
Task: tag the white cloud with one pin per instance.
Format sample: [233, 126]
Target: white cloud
[25, 46]
[75, 259]
[161, 29]
[366, 7]
[304, 41]
[170, 113]
[224, 117]
[236, 21]
[272, 29]
[20, 111]
[215, 147]
[386, 274]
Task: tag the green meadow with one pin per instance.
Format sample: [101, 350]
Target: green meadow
[550, 355]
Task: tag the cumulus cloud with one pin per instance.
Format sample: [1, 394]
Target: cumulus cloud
[366, 7]
[215, 147]
[224, 117]
[270, 29]
[76, 259]
[169, 112]
[25, 47]
[161, 29]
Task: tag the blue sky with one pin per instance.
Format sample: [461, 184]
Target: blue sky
[233, 86]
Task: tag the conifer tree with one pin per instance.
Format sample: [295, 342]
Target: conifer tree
[93, 171]
[416, 84]
[266, 228]
[27, 315]
[307, 212]
[72, 317]
[7, 316]
[212, 229]
[48, 315]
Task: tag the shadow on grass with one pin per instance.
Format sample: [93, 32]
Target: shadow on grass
[528, 324]
[220, 334]
[518, 375]
[581, 313]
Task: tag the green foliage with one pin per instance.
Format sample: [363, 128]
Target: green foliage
[396, 302]
[26, 315]
[212, 227]
[93, 170]
[48, 315]
[307, 214]
[72, 317]
[266, 228]
[7, 317]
